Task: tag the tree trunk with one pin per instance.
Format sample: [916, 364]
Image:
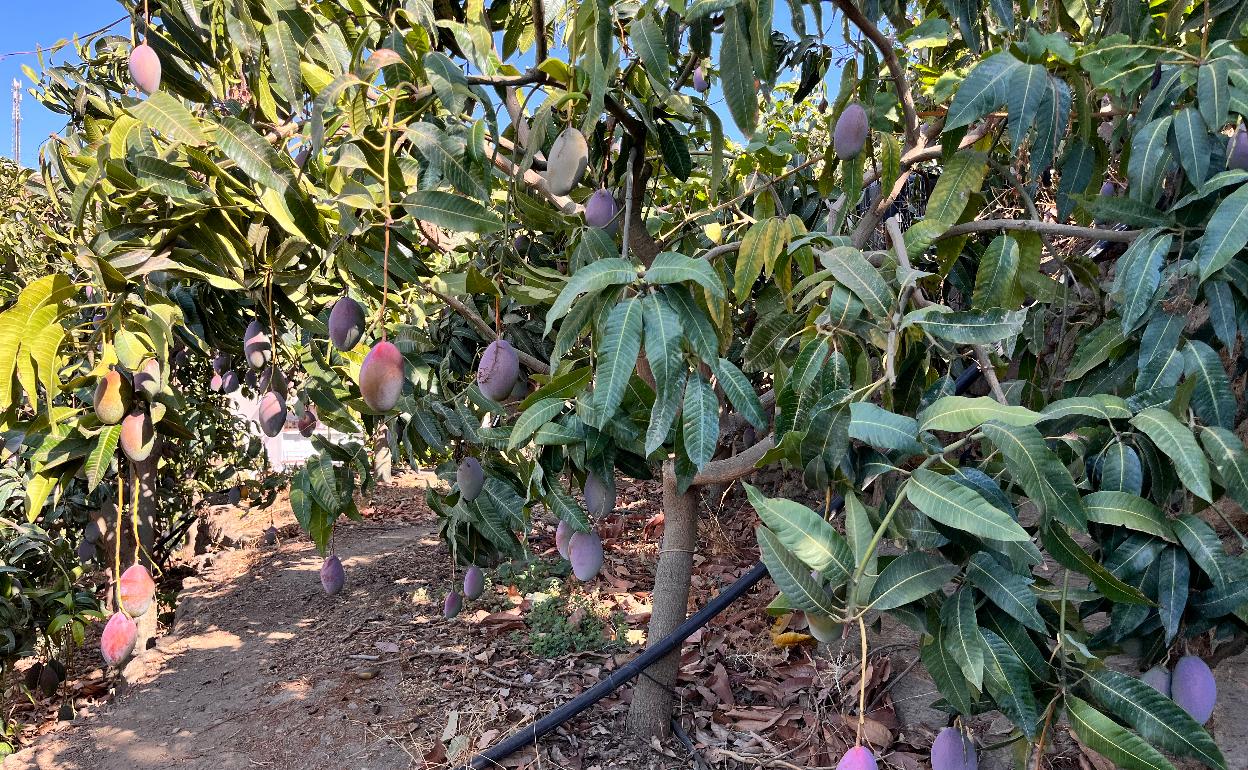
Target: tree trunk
[383, 454]
[651, 709]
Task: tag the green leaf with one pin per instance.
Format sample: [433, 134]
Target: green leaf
[860, 532]
[740, 392]
[1121, 470]
[284, 63]
[957, 506]
[957, 414]
[1205, 548]
[985, 88]
[1101, 406]
[1222, 600]
[1222, 311]
[649, 42]
[700, 421]
[693, 321]
[565, 507]
[852, 270]
[1231, 461]
[1095, 349]
[617, 357]
[962, 177]
[1139, 275]
[1106, 737]
[675, 150]
[1176, 442]
[807, 534]
[1172, 588]
[1121, 509]
[1006, 679]
[453, 212]
[670, 267]
[961, 635]
[1038, 471]
[1213, 92]
[1065, 551]
[1212, 399]
[1191, 138]
[1008, 590]
[1145, 166]
[532, 418]
[736, 68]
[1028, 89]
[166, 114]
[1157, 718]
[968, 327]
[948, 677]
[589, 279]
[169, 180]
[882, 429]
[909, 578]
[761, 246]
[996, 280]
[792, 577]
[101, 455]
[663, 335]
[254, 156]
[1225, 235]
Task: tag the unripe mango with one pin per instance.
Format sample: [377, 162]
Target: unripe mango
[147, 379]
[270, 535]
[145, 68]
[346, 323]
[229, 381]
[137, 590]
[599, 496]
[563, 534]
[272, 414]
[138, 435]
[823, 628]
[1237, 151]
[86, 551]
[256, 345]
[1157, 677]
[470, 478]
[585, 553]
[333, 576]
[1109, 189]
[858, 758]
[600, 209]
[699, 80]
[381, 377]
[112, 397]
[1193, 687]
[952, 750]
[453, 604]
[307, 423]
[220, 362]
[850, 133]
[474, 582]
[498, 370]
[565, 166]
[117, 641]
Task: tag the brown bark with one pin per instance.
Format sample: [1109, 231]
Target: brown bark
[651, 709]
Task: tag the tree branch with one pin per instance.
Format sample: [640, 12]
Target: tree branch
[1047, 228]
[738, 466]
[533, 179]
[477, 322]
[539, 25]
[898, 73]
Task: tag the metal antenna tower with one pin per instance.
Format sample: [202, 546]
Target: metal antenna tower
[17, 121]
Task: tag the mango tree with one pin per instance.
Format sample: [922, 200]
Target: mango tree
[562, 269]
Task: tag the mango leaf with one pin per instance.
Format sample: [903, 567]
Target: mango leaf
[882, 429]
[700, 421]
[101, 455]
[985, 88]
[996, 280]
[1176, 442]
[1038, 471]
[968, 327]
[1101, 406]
[740, 392]
[617, 357]
[736, 68]
[1116, 743]
[670, 267]
[962, 413]
[533, 418]
[1222, 311]
[1191, 138]
[959, 507]
[807, 534]
[1027, 90]
[1213, 93]
[1065, 551]
[1145, 167]
[1205, 548]
[948, 677]
[763, 243]
[852, 270]
[251, 153]
[908, 578]
[1138, 276]
[1157, 718]
[1212, 399]
[662, 339]
[565, 507]
[165, 113]
[589, 279]
[693, 321]
[961, 635]
[1225, 235]
[1172, 588]
[1121, 470]
[792, 577]
[1006, 679]
[649, 42]
[1121, 509]
[962, 177]
[1008, 590]
[1231, 461]
[452, 212]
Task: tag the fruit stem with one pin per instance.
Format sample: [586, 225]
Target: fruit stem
[862, 681]
[134, 510]
[121, 506]
[385, 184]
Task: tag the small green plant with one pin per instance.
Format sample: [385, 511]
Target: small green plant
[531, 576]
[561, 624]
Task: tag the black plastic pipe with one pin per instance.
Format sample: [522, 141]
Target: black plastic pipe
[528, 736]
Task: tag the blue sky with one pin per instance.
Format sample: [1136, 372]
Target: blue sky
[29, 24]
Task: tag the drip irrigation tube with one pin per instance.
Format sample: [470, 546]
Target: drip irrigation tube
[528, 736]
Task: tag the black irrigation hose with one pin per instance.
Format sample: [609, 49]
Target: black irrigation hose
[529, 736]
